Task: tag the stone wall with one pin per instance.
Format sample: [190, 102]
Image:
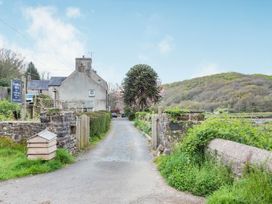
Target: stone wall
[64, 125]
[166, 131]
[19, 131]
[237, 155]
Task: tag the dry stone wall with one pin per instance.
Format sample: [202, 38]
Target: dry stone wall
[237, 155]
[62, 123]
[166, 131]
[19, 131]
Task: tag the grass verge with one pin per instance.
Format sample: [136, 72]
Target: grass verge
[14, 162]
[94, 140]
[188, 168]
[143, 126]
[254, 187]
[185, 173]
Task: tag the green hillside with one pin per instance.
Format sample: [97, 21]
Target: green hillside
[235, 91]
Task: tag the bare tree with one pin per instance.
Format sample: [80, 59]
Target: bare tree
[11, 66]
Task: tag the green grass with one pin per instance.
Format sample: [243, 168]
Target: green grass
[188, 168]
[14, 162]
[143, 126]
[94, 140]
[254, 187]
[184, 173]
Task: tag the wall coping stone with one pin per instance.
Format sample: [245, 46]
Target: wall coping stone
[237, 155]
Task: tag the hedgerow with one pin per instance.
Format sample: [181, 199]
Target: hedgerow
[99, 122]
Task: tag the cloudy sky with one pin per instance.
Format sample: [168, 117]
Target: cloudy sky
[180, 39]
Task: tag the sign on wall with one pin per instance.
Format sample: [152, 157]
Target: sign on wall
[16, 91]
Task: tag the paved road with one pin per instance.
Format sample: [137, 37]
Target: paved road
[119, 170]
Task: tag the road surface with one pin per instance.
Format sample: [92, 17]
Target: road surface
[118, 170]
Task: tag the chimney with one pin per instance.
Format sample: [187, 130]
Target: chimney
[83, 64]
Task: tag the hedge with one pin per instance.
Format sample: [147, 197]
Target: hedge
[8, 110]
[99, 122]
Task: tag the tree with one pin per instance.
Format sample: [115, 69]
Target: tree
[141, 87]
[32, 72]
[11, 66]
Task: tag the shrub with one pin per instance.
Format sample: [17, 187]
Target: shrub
[8, 110]
[254, 187]
[143, 126]
[99, 122]
[130, 113]
[143, 121]
[238, 130]
[175, 111]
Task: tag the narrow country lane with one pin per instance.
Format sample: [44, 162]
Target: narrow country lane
[119, 170]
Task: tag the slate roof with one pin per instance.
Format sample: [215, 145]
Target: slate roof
[56, 81]
[38, 84]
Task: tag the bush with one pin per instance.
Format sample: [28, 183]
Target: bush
[8, 110]
[143, 121]
[254, 187]
[143, 126]
[99, 122]
[237, 130]
[130, 113]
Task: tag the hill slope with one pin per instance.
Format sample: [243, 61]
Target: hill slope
[235, 91]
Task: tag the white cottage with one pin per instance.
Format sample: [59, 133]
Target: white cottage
[82, 89]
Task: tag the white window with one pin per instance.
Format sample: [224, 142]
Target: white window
[91, 93]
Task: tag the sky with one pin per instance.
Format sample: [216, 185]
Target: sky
[179, 39]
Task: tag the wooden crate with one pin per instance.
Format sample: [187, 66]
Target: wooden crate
[42, 145]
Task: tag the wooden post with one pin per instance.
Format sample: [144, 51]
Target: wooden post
[154, 131]
[83, 131]
[78, 133]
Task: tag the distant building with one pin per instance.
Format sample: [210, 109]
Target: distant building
[83, 89]
[38, 86]
[54, 83]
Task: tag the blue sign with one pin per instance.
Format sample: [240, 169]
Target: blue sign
[16, 91]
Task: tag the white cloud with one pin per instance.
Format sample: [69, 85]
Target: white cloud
[55, 43]
[73, 12]
[166, 44]
[207, 69]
